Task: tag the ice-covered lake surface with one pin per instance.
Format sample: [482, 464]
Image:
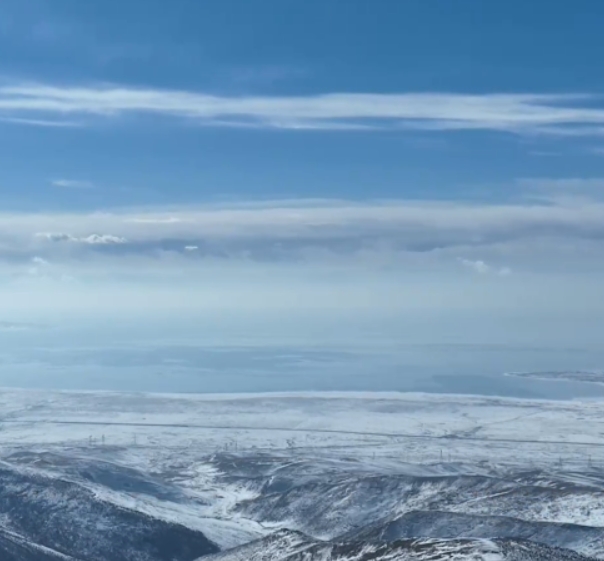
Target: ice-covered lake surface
[195, 368]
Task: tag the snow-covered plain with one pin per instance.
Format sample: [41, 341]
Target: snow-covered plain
[414, 428]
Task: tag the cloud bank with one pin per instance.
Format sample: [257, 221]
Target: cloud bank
[566, 114]
[484, 237]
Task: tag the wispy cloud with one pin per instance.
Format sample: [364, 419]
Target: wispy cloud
[566, 188]
[155, 219]
[265, 74]
[480, 267]
[39, 266]
[49, 123]
[72, 183]
[518, 113]
[92, 239]
[12, 326]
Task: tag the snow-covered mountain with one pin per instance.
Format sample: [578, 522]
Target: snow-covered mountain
[292, 546]
[329, 499]
[14, 547]
[53, 505]
[52, 516]
[447, 525]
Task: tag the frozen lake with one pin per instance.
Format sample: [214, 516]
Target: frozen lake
[194, 368]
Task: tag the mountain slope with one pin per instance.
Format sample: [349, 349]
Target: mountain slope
[326, 505]
[17, 548]
[446, 525]
[293, 546]
[275, 546]
[63, 516]
[437, 550]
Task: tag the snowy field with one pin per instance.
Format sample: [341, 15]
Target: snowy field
[410, 428]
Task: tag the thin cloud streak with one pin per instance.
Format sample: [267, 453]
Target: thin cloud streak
[92, 239]
[72, 183]
[45, 123]
[518, 113]
[317, 220]
[12, 326]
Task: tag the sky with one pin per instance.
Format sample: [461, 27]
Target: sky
[323, 172]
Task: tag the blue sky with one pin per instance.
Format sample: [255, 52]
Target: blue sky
[291, 52]
[424, 170]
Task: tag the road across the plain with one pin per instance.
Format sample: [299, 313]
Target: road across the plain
[307, 431]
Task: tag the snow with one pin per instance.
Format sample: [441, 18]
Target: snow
[173, 439]
[284, 546]
[413, 428]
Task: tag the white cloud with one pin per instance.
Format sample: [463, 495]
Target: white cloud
[482, 268]
[92, 239]
[55, 237]
[191, 248]
[478, 266]
[40, 261]
[102, 239]
[39, 266]
[525, 113]
[563, 187]
[48, 123]
[154, 219]
[72, 183]
[12, 326]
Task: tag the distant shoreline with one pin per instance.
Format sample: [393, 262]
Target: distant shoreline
[583, 376]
